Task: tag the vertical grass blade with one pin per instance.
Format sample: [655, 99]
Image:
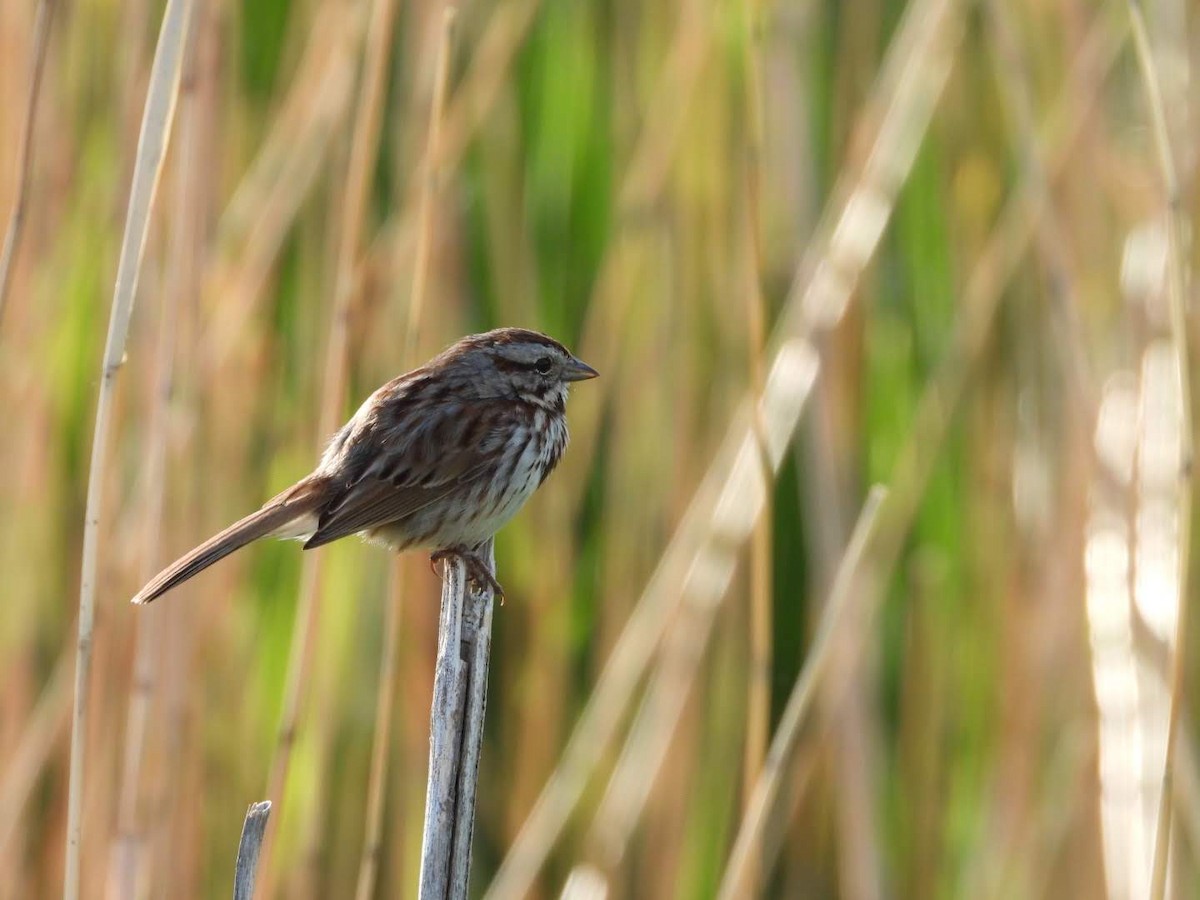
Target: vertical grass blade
[152, 146]
[37, 65]
[1176, 277]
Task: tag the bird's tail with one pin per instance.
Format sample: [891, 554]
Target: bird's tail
[283, 516]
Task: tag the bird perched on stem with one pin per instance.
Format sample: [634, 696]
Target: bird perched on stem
[439, 458]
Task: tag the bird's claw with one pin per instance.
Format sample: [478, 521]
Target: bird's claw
[477, 570]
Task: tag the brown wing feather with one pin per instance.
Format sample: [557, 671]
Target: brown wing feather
[371, 503]
[406, 470]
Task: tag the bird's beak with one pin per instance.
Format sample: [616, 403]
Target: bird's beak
[577, 370]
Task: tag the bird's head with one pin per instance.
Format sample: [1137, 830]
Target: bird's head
[523, 364]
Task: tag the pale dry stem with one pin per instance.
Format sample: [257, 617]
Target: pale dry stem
[456, 731]
[254, 828]
[1176, 301]
[152, 143]
[16, 221]
[758, 701]
[130, 840]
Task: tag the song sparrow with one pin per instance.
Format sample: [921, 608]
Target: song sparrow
[438, 458]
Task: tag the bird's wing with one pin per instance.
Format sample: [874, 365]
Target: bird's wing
[403, 461]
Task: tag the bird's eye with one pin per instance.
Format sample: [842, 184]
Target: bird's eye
[543, 365]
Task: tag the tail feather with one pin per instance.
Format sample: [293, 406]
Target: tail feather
[275, 515]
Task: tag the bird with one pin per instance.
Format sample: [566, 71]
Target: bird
[438, 458]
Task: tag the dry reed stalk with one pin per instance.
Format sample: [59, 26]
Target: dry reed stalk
[456, 733]
[1177, 228]
[254, 828]
[761, 588]
[129, 862]
[152, 142]
[171, 770]
[16, 221]
[918, 65]
[852, 586]
[758, 701]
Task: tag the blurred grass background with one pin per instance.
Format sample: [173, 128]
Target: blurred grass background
[644, 181]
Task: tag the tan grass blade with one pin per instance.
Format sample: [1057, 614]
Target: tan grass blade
[758, 699]
[152, 145]
[1177, 228]
[128, 852]
[16, 221]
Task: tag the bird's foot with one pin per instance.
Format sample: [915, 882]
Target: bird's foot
[477, 569]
